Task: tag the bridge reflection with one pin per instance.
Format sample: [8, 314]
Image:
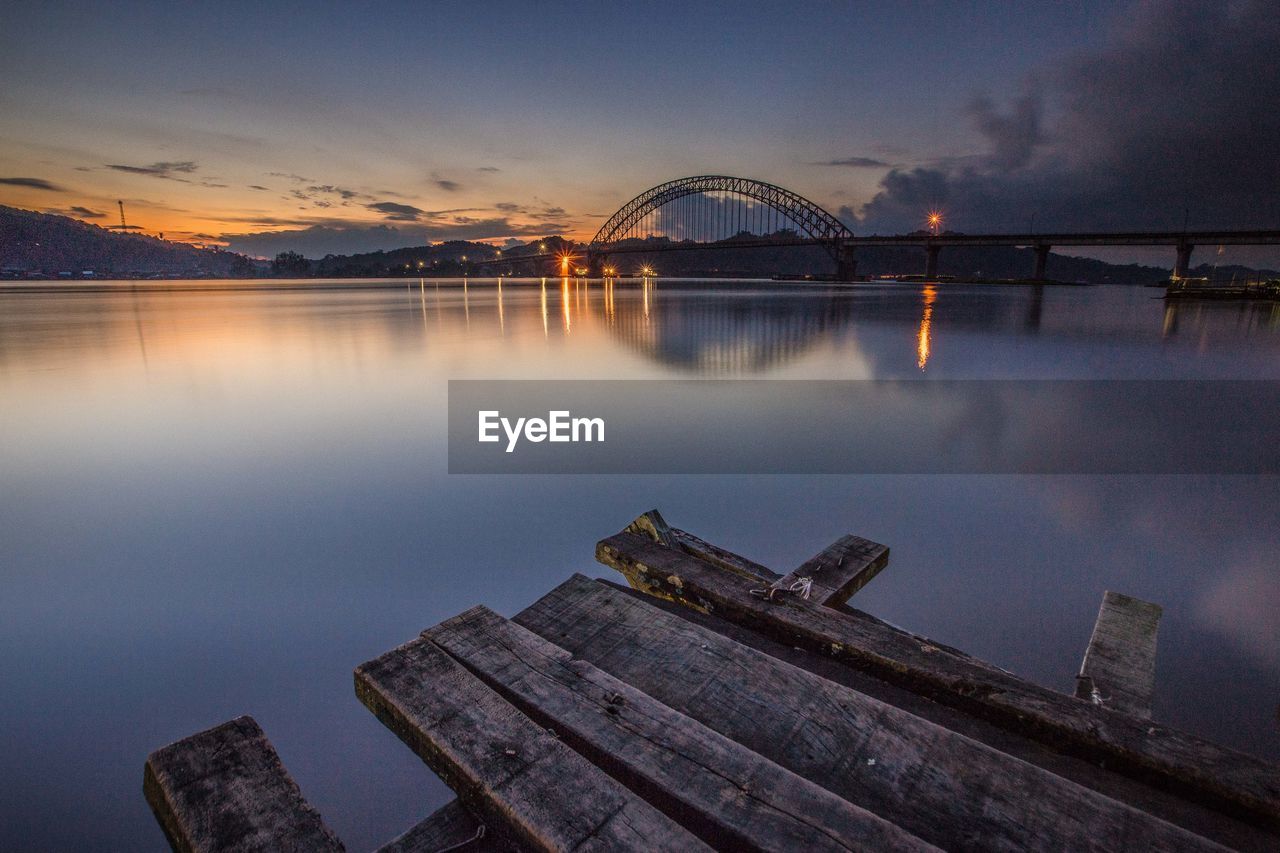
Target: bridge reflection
[703, 332]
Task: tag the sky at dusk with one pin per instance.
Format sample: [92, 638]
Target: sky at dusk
[351, 127]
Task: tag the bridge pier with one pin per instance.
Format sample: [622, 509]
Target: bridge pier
[1042, 260]
[931, 262]
[595, 265]
[1183, 262]
[846, 263]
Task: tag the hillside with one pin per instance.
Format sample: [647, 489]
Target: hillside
[43, 245]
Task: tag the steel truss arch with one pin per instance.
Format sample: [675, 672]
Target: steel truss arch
[815, 222]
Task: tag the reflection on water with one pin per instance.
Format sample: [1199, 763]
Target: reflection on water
[923, 344]
[216, 501]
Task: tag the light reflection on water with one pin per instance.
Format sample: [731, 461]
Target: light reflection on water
[218, 501]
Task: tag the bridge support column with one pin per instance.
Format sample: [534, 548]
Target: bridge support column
[931, 262]
[1183, 262]
[595, 265]
[846, 264]
[1042, 259]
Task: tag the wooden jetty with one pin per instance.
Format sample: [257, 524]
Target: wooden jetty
[716, 704]
[1193, 289]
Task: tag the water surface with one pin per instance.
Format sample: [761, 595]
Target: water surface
[217, 500]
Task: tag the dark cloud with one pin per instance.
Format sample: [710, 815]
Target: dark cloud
[1176, 113]
[488, 169]
[397, 212]
[32, 183]
[86, 213]
[541, 212]
[290, 176]
[256, 187]
[1013, 136]
[338, 191]
[856, 163]
[447, 186]
[167, 170]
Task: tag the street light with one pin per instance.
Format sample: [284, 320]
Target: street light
[935, 222]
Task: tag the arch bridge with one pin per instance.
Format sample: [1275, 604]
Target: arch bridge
[719, 211]
[725, 212]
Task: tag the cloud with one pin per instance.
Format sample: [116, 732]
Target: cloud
[256, 187]
[1177, 112]
[1241, 604]
[1014, 136]
[445, 184]
[336, 237]
[488, 169]
[398, 212]
[165, 170]
[32, 183]
[541, 212]
[338, 191]
[856, 163]
[86, 213]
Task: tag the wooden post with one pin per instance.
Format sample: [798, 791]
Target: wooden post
[1119, 667]
[225, 789]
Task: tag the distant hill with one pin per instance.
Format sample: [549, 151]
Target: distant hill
[43, 245]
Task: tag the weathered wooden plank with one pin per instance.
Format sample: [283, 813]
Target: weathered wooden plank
[451, 827]
[833, 575]
[511, 773]
[653, 525]
[718, 556]
[839, 570]
[727, 794]
[226, 789]
[1119, 667]
[943, 787]
[1227, 779]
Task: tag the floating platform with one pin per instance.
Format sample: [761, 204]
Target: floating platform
[716, 704]
[1200, 289]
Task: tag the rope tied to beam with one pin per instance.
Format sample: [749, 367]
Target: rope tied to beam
[801, 585]
[465, 842]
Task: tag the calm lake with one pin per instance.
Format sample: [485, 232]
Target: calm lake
[219, 498]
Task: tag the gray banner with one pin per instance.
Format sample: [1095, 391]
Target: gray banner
[864, 427]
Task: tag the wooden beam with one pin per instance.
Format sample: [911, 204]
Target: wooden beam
[523, 782]
[718, 556]
[728, 795]
[835, 573]
[839, 570]
[450, 827]
[941, 786]
[1221, 777]
[226, 789]
[1119, 667]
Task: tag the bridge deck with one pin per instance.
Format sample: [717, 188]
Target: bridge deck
[715, 705]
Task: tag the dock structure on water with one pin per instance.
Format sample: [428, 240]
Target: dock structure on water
[716, 704]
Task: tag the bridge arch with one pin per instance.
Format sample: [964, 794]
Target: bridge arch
[816, 223]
